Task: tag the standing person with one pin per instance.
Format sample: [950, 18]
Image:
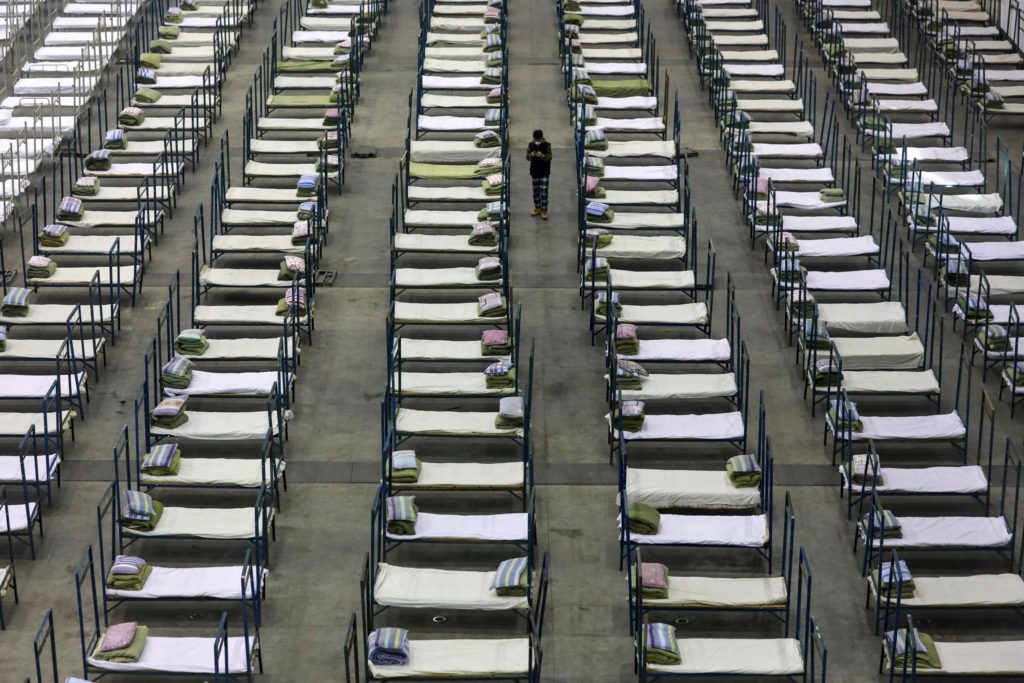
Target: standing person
[538, 153]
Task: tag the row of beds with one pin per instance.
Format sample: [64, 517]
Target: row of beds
[249, 407]
[651, 298]
[450, 231]
[70, 330]
[855, 349]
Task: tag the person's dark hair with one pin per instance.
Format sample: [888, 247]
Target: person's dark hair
[538, 134]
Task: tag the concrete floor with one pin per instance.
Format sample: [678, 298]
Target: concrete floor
[333, 455]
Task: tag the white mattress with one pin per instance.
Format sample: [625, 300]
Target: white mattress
[454, 83]
[819, 224]
[637, 148]
[14, 386]
[879, 353]
[242, 277]
[946, 426]
[441, 314]
[56, 314]
[744, 531]
[468, 475]
[180, 655]
[847, 280]
[643, 124]
[978, 590]
[237, 315]
[448, 151]
[19, 517]
[650, 279]
[631, 221]
[38, 468]
[995, 251]
[650, 247]
[940, 532]
[737, 656]
[236, 217]
[270, 244]
[209, 523]
[460, 658]
[890, 382]
[420, 193]
[440, 589]
[666, 172]
[441, 349]
[222, 583]
[913, 131]
[800, 150]
[412, 241]
[508, 527]
[683, 386]
[910, 154]
[682, 350]
[925, 179]
[707, 426]
[964, 479]
[677, 314]
[446, 384]
[884, 317]
[839, 246]
[229, 383]
[220, 426]
[702, 591]
[214, 472]
[241, 348]
[692, 489]
[450, 422]
[83, 276]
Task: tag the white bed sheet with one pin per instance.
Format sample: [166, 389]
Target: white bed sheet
[742, 531]
[209, 523]
[707, 591]
[506, 527]
[684, 386]
[451, 423]
[693, 489]
[180, 655]
[947, 531]
[460, 658]
[737, 656]
[229, 383]
[221, 426]
[682, 350]
[222, 583]
[238, 472]
[425, 588]
[697, 427]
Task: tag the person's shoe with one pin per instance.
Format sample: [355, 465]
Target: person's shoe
[535, 212]
[543, 215]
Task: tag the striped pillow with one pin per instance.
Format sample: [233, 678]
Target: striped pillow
[509, 573]
[402, 508]
[136, 505]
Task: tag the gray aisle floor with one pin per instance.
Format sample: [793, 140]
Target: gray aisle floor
[333, 457]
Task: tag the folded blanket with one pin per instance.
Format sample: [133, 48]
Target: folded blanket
[597, 236]
[86, 186]
[401, 515]
[1014, 372]
[148, 95]
[492, 211]
[291, 267]
[492, 76]
[114, 139]
[973, 307]
[574, 19]
[388, 647]
[129, 582]
[495, 343]
[160, 46]
[191, 343]
[603, 301]
[150, 60]
[595, 139]
[488, 268]
[130, 653]
[883, 518]
[3, 337]
[594, 167]
[832, 194]
[510, 413]
[844, 416]
[660, 646]
[173, 15]
[887, 584]
[627, 340]
[492, 43]
[331, 117]
[131, 116]
[70, 209]
[492, 305]
[15, 303]
[651, 580]
[598, 212]
[189, 5]
[98, 160]
[307, 185]
[643, 519]
[511, 578]
[488, 166]
[596, 268]
[40, 267]
[925, 655]
[500, 375]
[585, 93]
[956, 272]
[483, 234]
[163, 460]
[487, 138]
[743, 471]
[170, 413]
[169, 32]
[631, 414]
[405, 467]
[307, 210]
[177, 373]
[148, 515]
[492, 117]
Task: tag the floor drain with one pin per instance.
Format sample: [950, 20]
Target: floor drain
[439, 619]
[682, 621]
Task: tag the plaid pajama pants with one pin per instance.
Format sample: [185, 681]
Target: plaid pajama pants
[540, 193]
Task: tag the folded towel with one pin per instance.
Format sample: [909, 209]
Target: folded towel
[832, 194]
[660, 645]
[405, 467]
[886, 581]
[885, 523]
[70, 209]
[483, 234]
[594, 167]
[401, 515]
[294, 302]
[595, 139]
[177, 373]
[388, 647]
[597, 236]
[501, 368]
[492, 76]
[86, 186]
[511, 578]
[131, 116]
[596, 269]
[492, 43]
[743, 471]
[15, 303]
[129, 582]
[510, 412]
[643, 519]
[307, 185]
[491, 305]
[588, 113]
[163, 460]
[114, 139]
[924, 656]
[98, 160]
[492, 117]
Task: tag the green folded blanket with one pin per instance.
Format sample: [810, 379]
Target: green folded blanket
[407, 476]
[85, 190]
[126, 655]
[628, 87]
[575, 19]
[516, 591]
[498, 312]
[160, 47]
[907, 586]
[842, 425]
[627, 347]
[299, 66]
[150, 59]
[147, 525]
[402, 527]
[742, 471]
[488, 240]
[602, 310]
[643, 519]
[169, 32]
[129, 120]
[171, 470]
[170, 421]
[176, 381]
[506, 381]
[925, 660]
[48, 241]
[9, 311]
[496, 349]
[130, 582]
[94, 164]
[191, 348]
[832, 194]
[972, 312]
[41, 273]
[607, 217]
[491, 274]
[148, 95]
